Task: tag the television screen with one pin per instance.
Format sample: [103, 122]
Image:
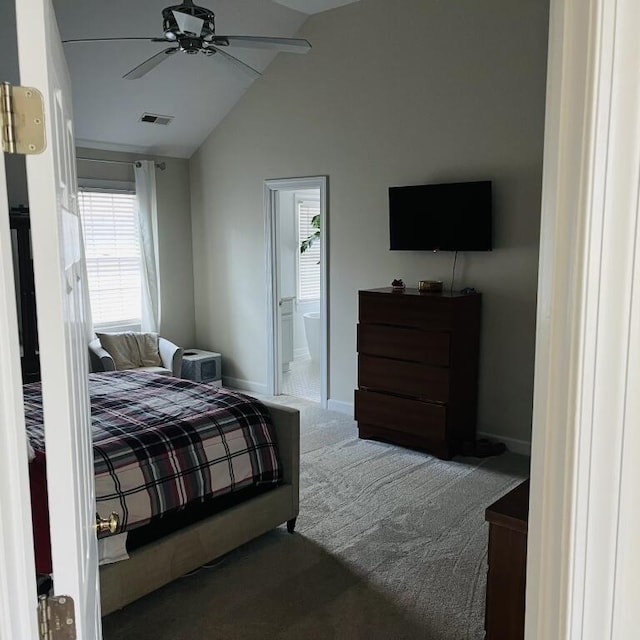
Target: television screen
[441, 217]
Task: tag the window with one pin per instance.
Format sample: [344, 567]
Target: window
[112, 249]
[309, 260]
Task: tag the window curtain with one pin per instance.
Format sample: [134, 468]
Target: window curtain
[145, 175]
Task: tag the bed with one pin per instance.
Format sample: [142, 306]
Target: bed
[193, 471]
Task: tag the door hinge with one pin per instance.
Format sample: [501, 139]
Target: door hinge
[22, 118]
[56, 618]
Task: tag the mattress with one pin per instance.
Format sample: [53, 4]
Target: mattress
[160, 444]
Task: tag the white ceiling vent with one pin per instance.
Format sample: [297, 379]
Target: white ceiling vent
[154, 118]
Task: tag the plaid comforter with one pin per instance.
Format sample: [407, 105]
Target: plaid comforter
[160, 443]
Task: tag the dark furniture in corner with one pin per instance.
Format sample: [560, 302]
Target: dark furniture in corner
[418, 368]
[25, 293]
[506, 577]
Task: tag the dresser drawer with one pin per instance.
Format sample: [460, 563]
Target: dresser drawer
[402, 414]
[407, 378]
[432, 313]
[404, 343]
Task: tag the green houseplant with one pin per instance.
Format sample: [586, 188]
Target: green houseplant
[313, 236]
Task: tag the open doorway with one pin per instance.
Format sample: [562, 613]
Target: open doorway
[296, 218]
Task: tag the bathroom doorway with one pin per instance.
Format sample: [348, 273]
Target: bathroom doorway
[296, 217]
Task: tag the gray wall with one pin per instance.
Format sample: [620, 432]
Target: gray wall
[174, 235]
[392, 93]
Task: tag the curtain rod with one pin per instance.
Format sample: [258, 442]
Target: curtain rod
[159, 165]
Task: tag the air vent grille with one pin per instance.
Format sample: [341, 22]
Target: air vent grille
[155, 118]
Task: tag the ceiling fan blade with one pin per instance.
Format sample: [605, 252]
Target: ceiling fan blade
[112, 40]
[254, 73]
[289, 45]
[146, 66]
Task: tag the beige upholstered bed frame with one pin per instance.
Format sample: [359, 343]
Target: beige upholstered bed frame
[160, 562]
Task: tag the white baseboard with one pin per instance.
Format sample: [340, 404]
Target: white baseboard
[245, 385]
[340, 407]
[515, 446]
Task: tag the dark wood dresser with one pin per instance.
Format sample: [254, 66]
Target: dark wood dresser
[418, 368]
[508, 520]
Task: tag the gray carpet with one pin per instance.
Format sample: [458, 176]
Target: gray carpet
[390, 544]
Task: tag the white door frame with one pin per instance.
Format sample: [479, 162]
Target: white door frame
[272, 226]
[17, 573]
[583, 558]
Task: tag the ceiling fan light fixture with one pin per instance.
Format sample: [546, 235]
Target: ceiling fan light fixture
[190, 45]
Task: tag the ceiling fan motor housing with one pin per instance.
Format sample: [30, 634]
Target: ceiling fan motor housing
[172, 30]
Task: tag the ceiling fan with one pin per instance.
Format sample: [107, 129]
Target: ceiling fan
[192, 29]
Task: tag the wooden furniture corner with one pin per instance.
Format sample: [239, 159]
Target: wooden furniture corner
[506, 576]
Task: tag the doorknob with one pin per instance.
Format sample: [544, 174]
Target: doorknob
[107, 525]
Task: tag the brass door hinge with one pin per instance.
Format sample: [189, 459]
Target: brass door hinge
[56, 618]
[22, 119]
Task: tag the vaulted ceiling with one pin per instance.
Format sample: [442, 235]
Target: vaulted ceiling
[197, 91]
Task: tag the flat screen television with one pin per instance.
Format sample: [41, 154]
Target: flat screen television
[441, 217]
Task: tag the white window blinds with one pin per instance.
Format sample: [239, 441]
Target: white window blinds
[309, 261]
[112, 249]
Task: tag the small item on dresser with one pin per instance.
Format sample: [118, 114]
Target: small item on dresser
[467, 290]
[430, 286]
[398, 285]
